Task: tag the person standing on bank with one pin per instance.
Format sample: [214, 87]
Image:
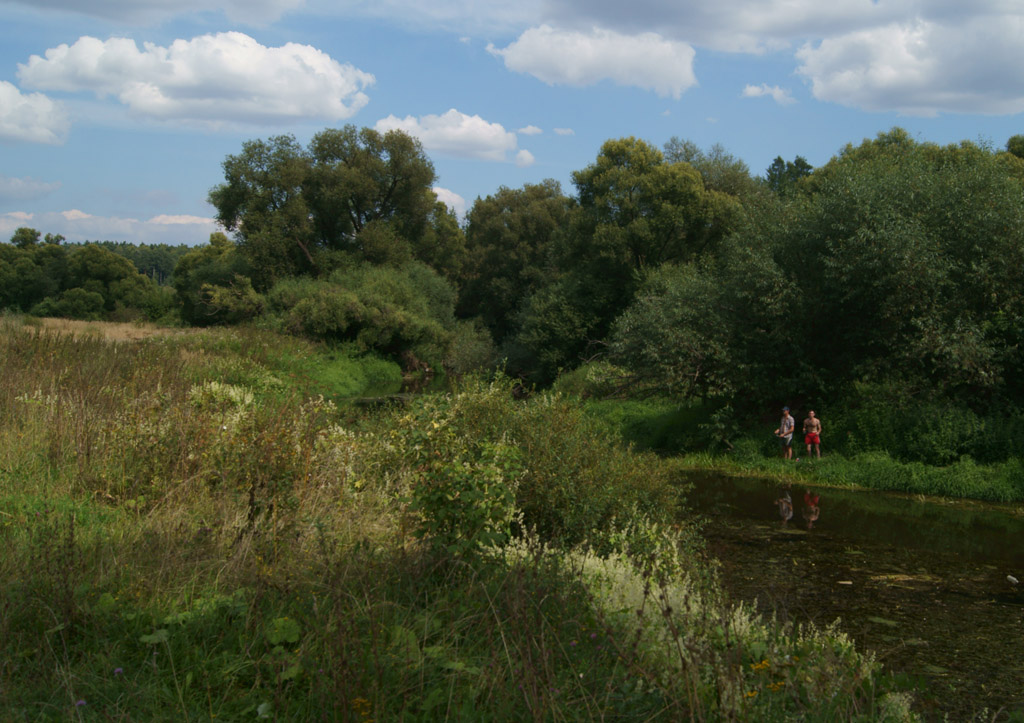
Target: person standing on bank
[785, 433]
[812, 434]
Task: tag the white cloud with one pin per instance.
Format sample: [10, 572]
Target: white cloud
[565, 132]
[211, 78]
[252, 12]
[781, 96]
[922, 67]
[750, 26]
[166, 220]
[530, 131]
[24, 189]
[524, 158]
[76, 225]
[31, 117]
[455, 134]
[560, 57]
[453, 200]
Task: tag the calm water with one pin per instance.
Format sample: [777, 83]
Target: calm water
[922, 583]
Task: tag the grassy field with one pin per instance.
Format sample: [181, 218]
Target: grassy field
[195, 527]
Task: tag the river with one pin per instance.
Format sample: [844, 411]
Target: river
[921, 582]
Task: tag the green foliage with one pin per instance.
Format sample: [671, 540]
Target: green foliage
[635, 213]
[598, 379]
[74, 303]
[24, 237]
[470, 349]
[1015, 145]
[357, 191]
[720, 170]
[463, 491]
[675, 338]
[186, 538]
[509, 239]
[213, 285]
[783, 176]
[392, 311]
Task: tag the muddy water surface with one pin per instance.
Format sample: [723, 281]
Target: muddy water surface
[923, 583]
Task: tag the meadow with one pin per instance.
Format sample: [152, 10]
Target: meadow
[196, 526]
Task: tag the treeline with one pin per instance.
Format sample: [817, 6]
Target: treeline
[887, 280]
[48, 277]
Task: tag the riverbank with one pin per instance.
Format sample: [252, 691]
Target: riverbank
[191, 530]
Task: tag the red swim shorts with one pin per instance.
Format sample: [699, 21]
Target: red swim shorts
[812, 438]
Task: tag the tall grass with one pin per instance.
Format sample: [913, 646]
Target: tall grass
[191, 532]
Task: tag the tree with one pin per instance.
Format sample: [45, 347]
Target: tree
[262, 201]
[720, 170]
[510, 236]
[442, 246]
[905, 252]
[358, 177]
[676, 336]
[293, 209]
[782, 176]
[202, 271]
[24, 237]
[1016, 145]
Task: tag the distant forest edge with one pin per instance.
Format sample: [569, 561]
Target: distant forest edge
[884, 288]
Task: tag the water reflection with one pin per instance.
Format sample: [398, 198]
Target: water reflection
[785, 504]
[983, 532]
[812, 509]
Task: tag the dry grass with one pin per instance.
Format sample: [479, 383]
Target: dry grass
[109, 330]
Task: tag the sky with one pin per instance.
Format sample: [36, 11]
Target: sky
[116, 115]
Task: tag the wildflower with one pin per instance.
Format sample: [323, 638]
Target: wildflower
[752, 694]
[80, 703]
[118, 671]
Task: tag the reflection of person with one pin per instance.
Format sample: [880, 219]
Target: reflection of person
[811, 510]
[785, 504]
[785, 433]
[812, 434]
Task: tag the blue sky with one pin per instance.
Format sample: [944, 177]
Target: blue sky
[115, 115]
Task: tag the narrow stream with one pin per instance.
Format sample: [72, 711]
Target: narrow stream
[922, 583]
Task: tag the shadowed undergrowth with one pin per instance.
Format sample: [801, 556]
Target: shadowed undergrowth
[191, 532]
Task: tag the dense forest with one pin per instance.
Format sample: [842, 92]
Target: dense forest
[883, 288]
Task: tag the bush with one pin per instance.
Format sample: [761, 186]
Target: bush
[74, 303]
[578, 480]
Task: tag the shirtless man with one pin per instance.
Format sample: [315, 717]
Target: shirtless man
[812, 434]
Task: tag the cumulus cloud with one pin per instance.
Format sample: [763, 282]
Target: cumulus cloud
[77, 225]
[780, 95]
[559, 57]
[211, 78]
[524, 158]
[455, 134]
[530, 131]
[31, 117]
[922, 67]
[24, 189]
[453, 200]
[565, 132]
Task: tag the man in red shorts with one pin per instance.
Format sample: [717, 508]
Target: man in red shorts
[812, 434]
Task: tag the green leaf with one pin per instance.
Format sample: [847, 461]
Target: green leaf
[283, 630]
[160, 636]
